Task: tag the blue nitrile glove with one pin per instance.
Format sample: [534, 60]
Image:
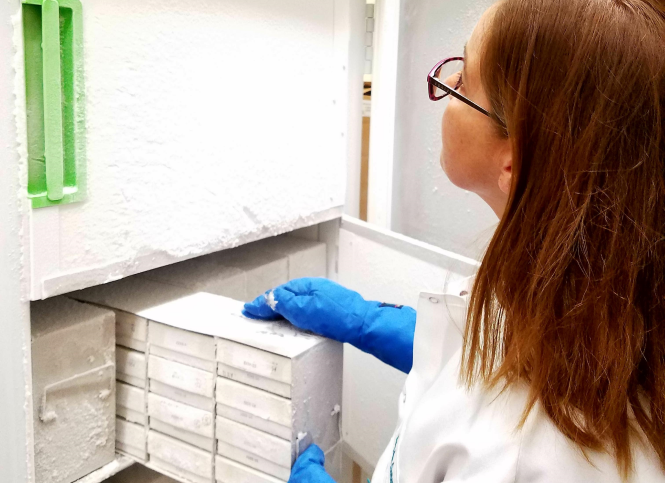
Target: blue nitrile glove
[308, 468]
[326, 308]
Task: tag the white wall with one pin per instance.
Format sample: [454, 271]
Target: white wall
[383, 266]
[426, 205]
[15, 374]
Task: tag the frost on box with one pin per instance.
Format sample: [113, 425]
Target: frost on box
[73, 373]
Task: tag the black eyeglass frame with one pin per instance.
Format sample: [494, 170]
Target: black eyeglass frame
[433, 82]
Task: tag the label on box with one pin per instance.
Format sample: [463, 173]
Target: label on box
[270, 447]
[196, 400]
[179, 340]
[180, 415]
[130, 326]
[130, 362]
[229, 470]
[249, 419]
[254, 401]
[130, 397]
[186, 436]
[254, 360]
[251, 379]
[181, 376]
[183, 358]
[179, 454]
[253, 461]
[130, 434]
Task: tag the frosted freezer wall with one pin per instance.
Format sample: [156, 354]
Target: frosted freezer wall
[208, 125]
[426, 205]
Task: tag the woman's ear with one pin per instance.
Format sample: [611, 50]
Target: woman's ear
[506, 168]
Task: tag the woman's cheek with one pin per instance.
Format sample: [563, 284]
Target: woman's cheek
[452, 154]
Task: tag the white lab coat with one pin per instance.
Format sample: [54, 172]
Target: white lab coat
[448, 433]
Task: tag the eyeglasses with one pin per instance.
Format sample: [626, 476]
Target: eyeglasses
[445, 78]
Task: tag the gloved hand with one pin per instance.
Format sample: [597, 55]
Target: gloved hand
[308, 468]
[328, 309]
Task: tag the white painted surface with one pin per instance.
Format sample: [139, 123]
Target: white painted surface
[209, 125]
[426, 205]
[351, 55]
[16, 444]
[384, 120]
[389, 268]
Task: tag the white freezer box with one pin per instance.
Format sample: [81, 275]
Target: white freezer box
[307, 367]
[255, 367]
[252, 379]
[128, 298]
[130, 438]
[254, 448]
[187, 423]
[228, 470]
[131, 403]
[264, 406]
[183, 346]
[73, 384]
[178, 459]
[130, 366]
[189, 380]
[130, 330]
[185, 397]
[252, 461]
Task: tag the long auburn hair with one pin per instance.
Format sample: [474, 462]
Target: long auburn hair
[570, 296]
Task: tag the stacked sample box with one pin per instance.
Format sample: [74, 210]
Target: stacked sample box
[127, 299]
[273, 383]
[245, 272]
[265, 399]
[181, 370]
[206, 394]
[228, 397]
[73, 375]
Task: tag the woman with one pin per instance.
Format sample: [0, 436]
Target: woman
[558, 373]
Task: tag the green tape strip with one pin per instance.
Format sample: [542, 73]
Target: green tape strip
[52, 100]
